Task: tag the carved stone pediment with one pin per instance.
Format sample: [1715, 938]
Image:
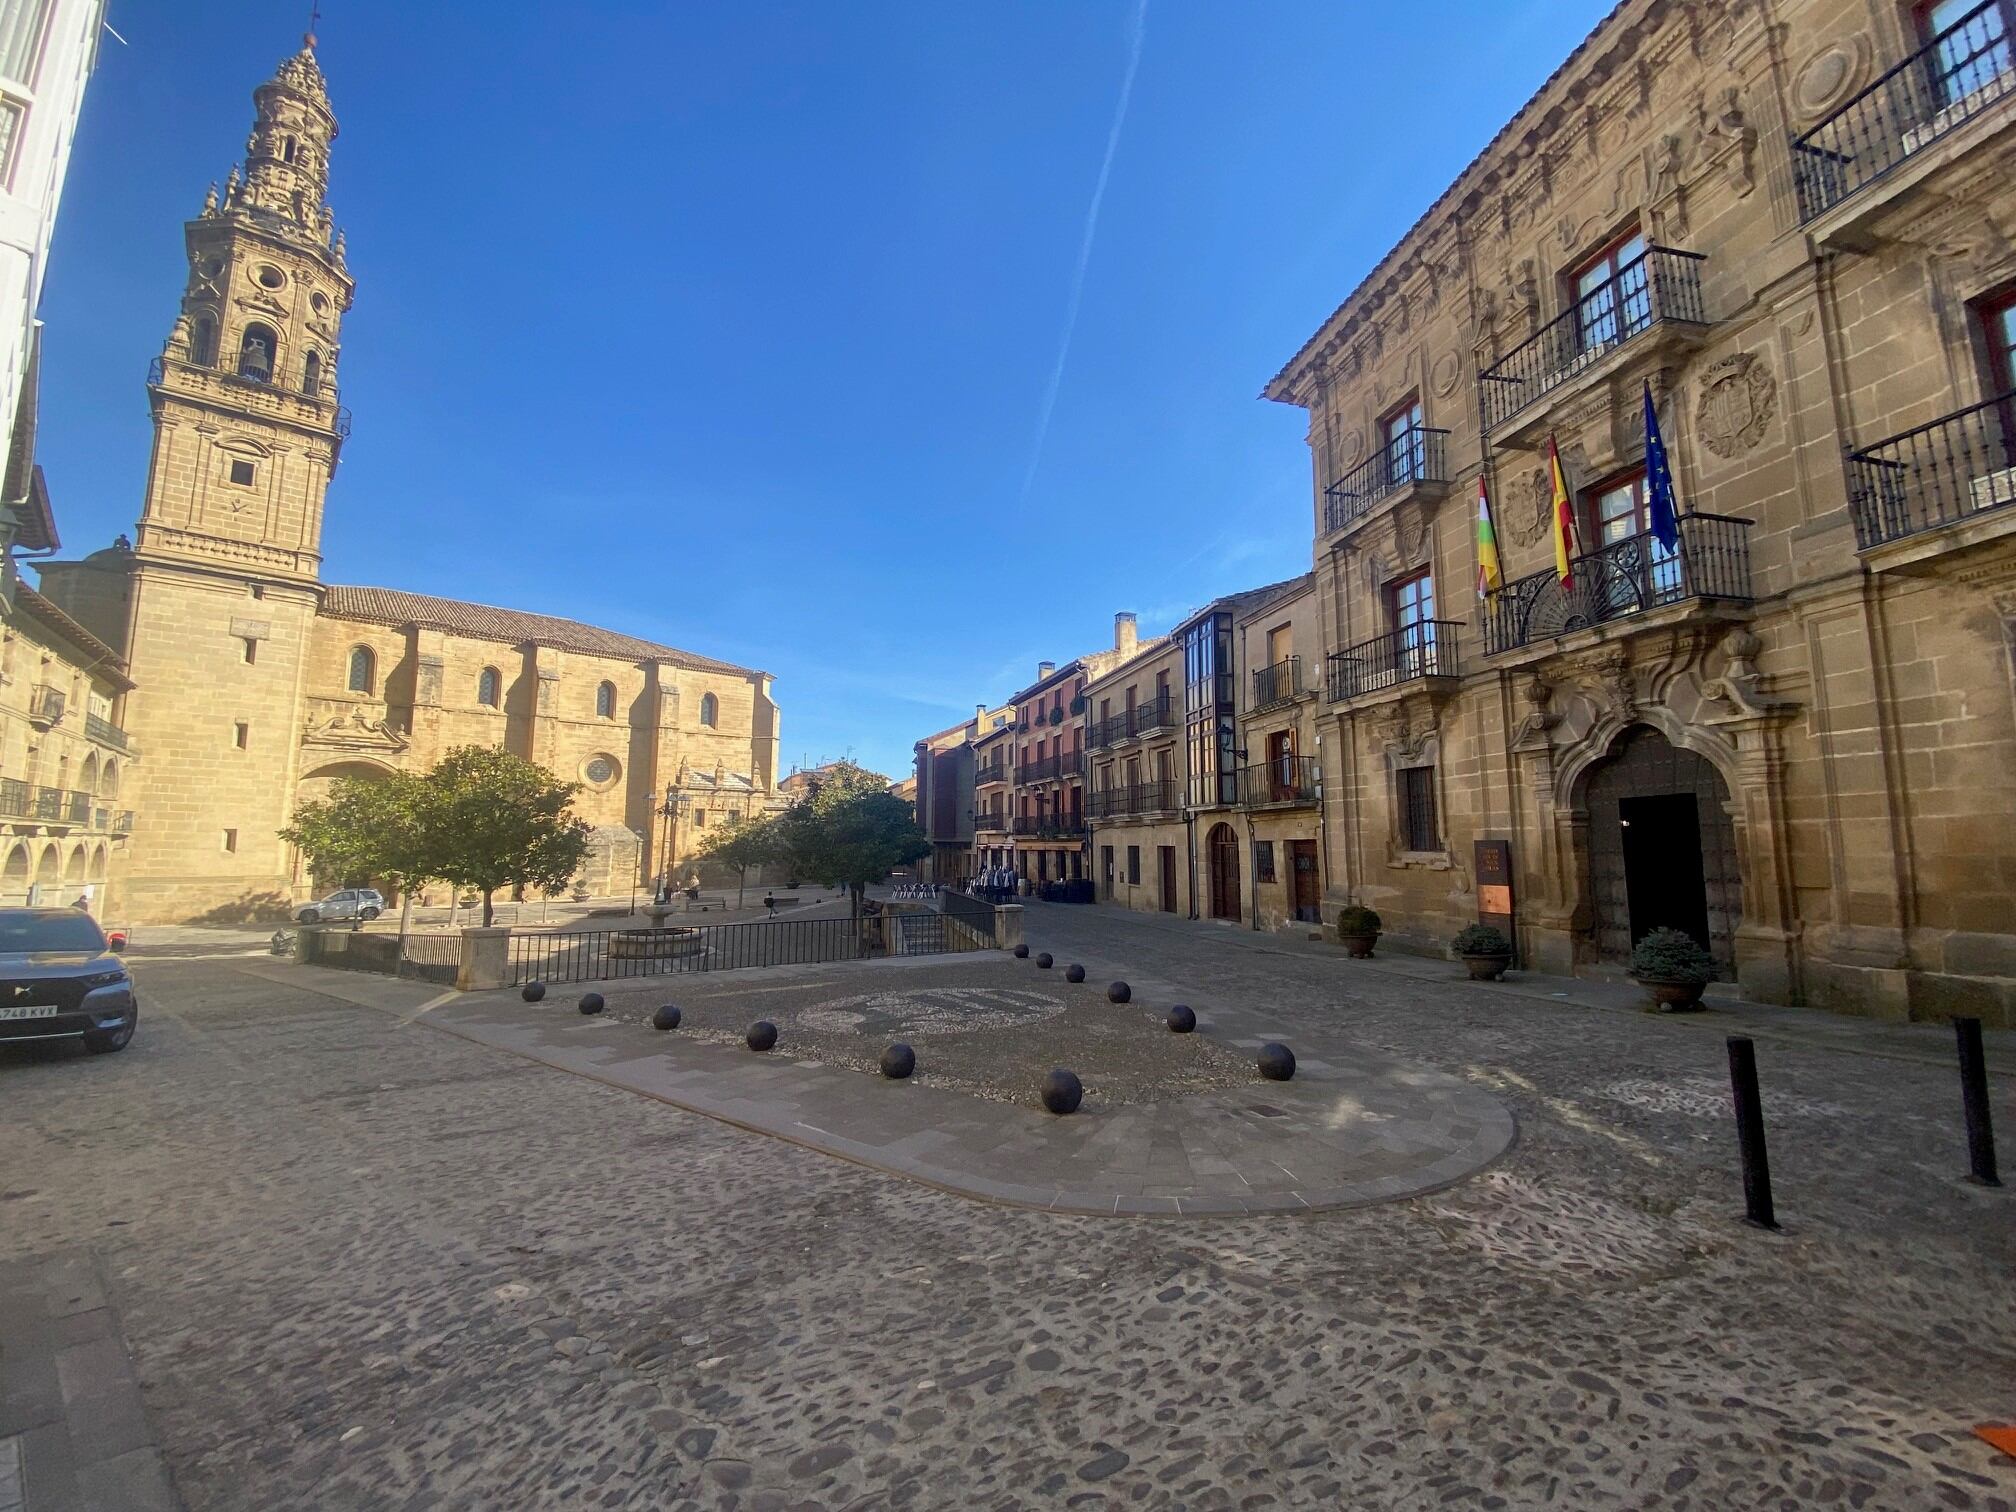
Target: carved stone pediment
[354, 731]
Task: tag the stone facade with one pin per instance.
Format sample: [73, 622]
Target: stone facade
[1791, 731]
[258, 684]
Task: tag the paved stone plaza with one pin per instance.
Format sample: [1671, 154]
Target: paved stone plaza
[361, 1261]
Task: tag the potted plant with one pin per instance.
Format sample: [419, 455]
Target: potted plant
[1671, 965]
[1484, 950]
[1358, 928]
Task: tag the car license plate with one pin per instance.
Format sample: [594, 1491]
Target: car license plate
[37, 1010]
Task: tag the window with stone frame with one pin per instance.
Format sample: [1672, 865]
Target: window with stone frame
[1133, 866]
[243, 473]
[605, 701]
[710, 710]
[1414, 796]
[1611, 292]
[1997, 314]
[363, 670]
[489, 687]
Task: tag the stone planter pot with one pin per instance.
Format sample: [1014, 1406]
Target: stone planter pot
[1673, 997]
[1486, 968]
[1360, 946]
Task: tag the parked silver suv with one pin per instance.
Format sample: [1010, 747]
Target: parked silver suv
[350, 903]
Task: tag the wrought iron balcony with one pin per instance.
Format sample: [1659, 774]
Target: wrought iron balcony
[45, 704]
[105, 732]
[1043, 769]
[993, 771]
[1427, 648]
[1285, 782]
[1049, 825]
[1135, 798]
[157, 371]
[48, 805]
[990, 824]
[1660, 287]
[1411, 460]
[1159, 713]
[1278, 683]
[1952, 469]
[1631, 576]
[1950, 81]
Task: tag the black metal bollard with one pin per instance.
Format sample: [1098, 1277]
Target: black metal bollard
[1974, 1092]
[1750, 1131]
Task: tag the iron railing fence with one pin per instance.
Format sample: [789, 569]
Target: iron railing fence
[102, 730]
[992, 771]
[992, 823]
[1711, 561]
[1951, 469]
[1045, 768]
[605, 954]
[1660, 285]
[157, 371]
[1152, 797]
[1158, 713]
[24, 800]
[1415, 455]
[1286, 780]
[1939, 88]
[1426, 648]
[1048, 825]
[1278, 683]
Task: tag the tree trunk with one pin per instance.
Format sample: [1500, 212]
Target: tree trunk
[405, 919]
[741, 886]
[489, 913]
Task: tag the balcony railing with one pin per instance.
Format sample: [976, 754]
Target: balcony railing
[1278, 683]
[1414, 456]
[45, 703]
[990, 823]
[1952, 469]
[1046, 768]
[1711, 561]
[157, 371]
[1426, 648]
[1048, 825]
[1946, 83]
[1286, 780]
[48, 805]
[993, 771]
[1135, 798]
[105, 732]
[1159, 713]
[1660, 286]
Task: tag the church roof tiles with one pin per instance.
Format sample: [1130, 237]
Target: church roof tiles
[391, 606]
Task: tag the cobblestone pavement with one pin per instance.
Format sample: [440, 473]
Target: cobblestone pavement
[362, 1264]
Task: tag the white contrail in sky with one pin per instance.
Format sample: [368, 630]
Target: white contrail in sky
[1135, 34]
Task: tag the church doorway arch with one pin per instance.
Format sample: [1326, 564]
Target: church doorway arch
[1222, 848]
[1661, 848]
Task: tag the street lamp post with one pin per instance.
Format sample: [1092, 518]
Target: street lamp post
[676, 803]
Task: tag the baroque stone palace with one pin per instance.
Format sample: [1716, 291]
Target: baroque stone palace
[255, 684]
[1788, 730]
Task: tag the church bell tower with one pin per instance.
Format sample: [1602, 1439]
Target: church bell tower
[247, 424]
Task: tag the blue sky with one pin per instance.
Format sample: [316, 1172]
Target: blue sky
[784, 332]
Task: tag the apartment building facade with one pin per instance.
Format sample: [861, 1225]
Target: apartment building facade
[1136, 778]
[1784, 725]
[944, 790]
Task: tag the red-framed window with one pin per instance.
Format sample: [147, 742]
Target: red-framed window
[1400, 436]
[1611, 293]
[1410, 601]
[1998, 329]
[1614, 509]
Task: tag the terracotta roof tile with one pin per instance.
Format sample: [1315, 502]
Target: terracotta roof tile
[392, 606]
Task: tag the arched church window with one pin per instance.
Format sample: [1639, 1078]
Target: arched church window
[489, 687]
[257, 350]
[311, 374]
[363, 670]
[203, 342]
[605, 701]
[710, 710]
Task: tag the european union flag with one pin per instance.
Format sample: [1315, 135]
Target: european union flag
[1665, 509]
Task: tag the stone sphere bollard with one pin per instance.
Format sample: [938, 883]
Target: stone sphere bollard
[1021, 952]
[762, 1035]
[665, 1018]
[1062, 1092]
[591, 1002]
[1181, 1020]
[1074, 973]
[898, 1061]
[1119, 992]
[1277, 1061]
[1043, 960]
[533, 991]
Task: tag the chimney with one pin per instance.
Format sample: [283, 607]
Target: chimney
[1126, 634]
[1044, 669]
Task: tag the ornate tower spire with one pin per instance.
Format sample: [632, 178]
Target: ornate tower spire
[287, 155]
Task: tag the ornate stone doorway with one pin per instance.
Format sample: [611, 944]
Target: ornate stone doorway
[1661, 848]
[1222, 846]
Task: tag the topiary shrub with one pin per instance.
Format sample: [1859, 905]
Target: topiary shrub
[1671, 955]
[1480, 940]
[1357, 920]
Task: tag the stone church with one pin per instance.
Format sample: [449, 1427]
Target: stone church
[256, 684]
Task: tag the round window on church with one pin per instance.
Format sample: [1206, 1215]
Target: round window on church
[600, 771]
[319, 302]
[270, 276]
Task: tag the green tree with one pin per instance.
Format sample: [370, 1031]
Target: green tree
[368, 830]
[850, 828]
[494, 820]
[754, 842]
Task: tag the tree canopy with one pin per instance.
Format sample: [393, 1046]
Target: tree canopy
[482, 818]
[850, 828]
[753, 842]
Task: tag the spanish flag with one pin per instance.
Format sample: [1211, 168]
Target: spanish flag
[1489, 578]
[1564, 519]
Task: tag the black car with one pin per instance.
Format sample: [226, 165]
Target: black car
[60, 978]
